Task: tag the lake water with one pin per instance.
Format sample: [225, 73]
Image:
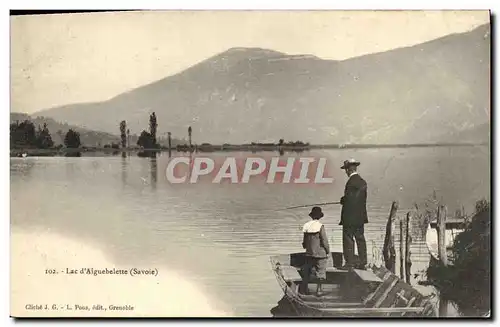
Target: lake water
[220, 236]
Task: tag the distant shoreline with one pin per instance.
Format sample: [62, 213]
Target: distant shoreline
[231, 148]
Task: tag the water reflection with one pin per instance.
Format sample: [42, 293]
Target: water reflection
[147, 153]
[22, 167]
[153, 163]
[73, 154]
[124, 168]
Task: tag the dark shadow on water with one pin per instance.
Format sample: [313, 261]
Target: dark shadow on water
[284, 309]
[153, 165]
[73, 154]
[147, 154]
[154, 170]
[124, 168]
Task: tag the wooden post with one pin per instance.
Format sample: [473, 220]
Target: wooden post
[169, 144]
[408, 252]
[388, 251]
[441, 233]
[401, 250]
[443, 256]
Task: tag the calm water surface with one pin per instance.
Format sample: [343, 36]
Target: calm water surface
[222, 235]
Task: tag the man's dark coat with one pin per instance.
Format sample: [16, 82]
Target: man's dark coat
[354, 202]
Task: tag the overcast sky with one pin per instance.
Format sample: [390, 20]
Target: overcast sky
[71, 58]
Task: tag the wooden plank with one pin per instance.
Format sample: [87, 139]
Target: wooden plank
[385, 293]
[401, 297]
[371, 296]
[336, 270]
[335, 304]
[290, 274]
[310, 298]
[367, 276]
[388, 251]
[374, 310]
[396, 300]
[396, 294]
[393, 296]
[388, 277]
[410, 303]
[380, 271]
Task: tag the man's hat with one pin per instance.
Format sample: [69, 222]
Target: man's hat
[316, 213]
[350, 162]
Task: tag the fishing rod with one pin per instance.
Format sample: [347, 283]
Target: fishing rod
[312, 205]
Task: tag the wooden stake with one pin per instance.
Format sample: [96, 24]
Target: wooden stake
[389, 251]
[441, 233]
[408, 246]
[169, 144]
[401, 250]
[409, 304]
[443, 256]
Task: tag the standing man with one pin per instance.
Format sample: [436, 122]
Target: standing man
[354, 216]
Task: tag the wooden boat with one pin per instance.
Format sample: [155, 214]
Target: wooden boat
[452, 229]
[375, 292]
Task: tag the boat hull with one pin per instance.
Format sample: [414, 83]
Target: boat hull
[391, 297]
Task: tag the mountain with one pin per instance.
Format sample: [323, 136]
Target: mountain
[422, 93]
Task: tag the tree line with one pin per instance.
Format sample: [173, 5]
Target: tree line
[25, 135]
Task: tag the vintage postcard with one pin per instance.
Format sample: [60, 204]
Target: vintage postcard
[250, 164]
